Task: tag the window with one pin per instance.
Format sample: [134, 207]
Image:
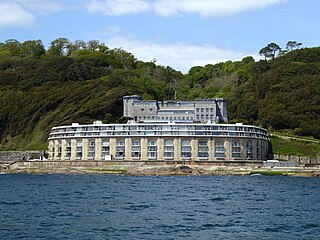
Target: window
[258, 150]
[152, 149]
[142, 109]
[219, 150]
[91, 149]
[203, 150]
[79, 149]
[168, 149]
[249, 150]
[236, 149]
[105, 148]
[120, 149]
[185, 149]
[135, 150]
[68, 149]
[59, 149]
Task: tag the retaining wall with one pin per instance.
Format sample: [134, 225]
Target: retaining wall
[298, 159]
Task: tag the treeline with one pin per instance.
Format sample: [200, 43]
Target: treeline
[84, 81]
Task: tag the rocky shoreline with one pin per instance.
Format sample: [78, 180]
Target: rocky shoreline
[41, 167]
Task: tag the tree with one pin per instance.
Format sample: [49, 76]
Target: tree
[274, 49]
[94, 45]
[291, 45]
[32, 48]
[266, 52]
[270, 50]
[13, 46]
[59, 47]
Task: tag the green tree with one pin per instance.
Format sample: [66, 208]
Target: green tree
[266, 52]
[291, 45]
[59, 47]
[32, 48]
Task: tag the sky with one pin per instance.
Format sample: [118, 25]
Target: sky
[176, 33]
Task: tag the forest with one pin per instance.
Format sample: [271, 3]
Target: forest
[85, 81]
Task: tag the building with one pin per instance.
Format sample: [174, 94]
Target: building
[158, 141]
[162, 131]
[214, 109]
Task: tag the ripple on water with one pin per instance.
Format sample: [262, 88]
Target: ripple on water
[124, 207]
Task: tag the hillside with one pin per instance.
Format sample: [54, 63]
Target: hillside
[82, 82]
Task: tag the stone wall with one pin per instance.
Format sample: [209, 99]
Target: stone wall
[298, 159]
[12, 156]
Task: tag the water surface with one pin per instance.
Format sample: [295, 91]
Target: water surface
[158, 207]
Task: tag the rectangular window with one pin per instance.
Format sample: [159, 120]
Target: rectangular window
[185, 149]
[203, 150]
[120, 149]
[236, 149]
[59, 149]
[219, 150]
[105, 148]
[135, 150]
[79, 149]
[91, 149]
[168, 149]
[68, 150]
[152, 149]
[249, 150]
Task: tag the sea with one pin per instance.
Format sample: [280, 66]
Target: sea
[159, 207]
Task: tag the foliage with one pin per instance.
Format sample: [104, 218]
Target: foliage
[85, 81]
[294, 147]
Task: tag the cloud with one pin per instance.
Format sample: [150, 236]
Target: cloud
[13, 14]
[118, 7]
[23, 12]
[208, 8]
[167, 8]
[180, 56]
[39, 6]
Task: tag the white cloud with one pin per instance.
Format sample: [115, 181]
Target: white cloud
[13, 14]
[117, 7]
[180, 56]
[208, 8]
[205, 8]
[23, 12]
[38, 6]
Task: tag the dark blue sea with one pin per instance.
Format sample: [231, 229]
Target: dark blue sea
[157, 207]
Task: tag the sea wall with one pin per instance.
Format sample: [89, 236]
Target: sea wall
[131, 167]
[298, 159]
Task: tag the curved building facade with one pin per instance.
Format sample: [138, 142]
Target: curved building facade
[158, 141]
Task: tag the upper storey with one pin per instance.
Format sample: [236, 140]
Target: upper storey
[157, 130]
[214, 109]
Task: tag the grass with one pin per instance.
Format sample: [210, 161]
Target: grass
[294, 147]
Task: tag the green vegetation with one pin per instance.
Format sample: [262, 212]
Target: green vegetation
[294, 147]
[85, 81]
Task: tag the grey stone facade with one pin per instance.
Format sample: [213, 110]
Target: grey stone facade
[214, 109]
